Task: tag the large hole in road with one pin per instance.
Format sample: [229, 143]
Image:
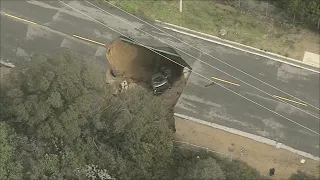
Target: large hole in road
[138, 64]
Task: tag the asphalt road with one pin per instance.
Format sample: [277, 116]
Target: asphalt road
[57, 23]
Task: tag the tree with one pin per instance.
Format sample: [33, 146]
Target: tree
[9, 167]
[49, 102]
[68, 119]
[147, 139]
[52, 96]
[308, 11]
[60, 120]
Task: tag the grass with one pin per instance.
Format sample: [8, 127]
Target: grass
[209, 17]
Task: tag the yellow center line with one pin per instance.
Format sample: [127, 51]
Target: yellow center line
[15, 17]
[289, 100]
[226, 81]
[89, 40]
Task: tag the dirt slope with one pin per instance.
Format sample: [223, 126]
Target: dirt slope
[259, 155]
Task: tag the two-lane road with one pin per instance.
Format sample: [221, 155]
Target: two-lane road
[59, 26]
[300, 128]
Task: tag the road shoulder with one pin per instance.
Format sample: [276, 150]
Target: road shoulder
[314, 67]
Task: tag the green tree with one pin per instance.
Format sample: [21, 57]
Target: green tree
[146, 141]
[59, 119]
[69, 119]
[50, 102]
[52, 97]
[306, 11]
[9, 167]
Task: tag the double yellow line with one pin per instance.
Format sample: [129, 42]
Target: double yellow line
[218, 79]
[89, 40]
[275, 96]
[31, 22]
[285, 99]
[21, 19]
[225, 81]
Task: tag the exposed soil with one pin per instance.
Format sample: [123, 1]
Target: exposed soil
[258, 155]
[131, 61]
[171, 96]
[137, 64]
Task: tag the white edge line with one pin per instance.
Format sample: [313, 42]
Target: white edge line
[250, 136]
[231, 42]
[228, 41]
[258, 54]
[230, 46]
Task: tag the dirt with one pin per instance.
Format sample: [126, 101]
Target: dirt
[171, 96]
[258, 155]
[302, 41]
[136, 65]
[131, 61]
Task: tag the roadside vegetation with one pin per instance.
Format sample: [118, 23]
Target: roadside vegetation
[59, 120]
[256, 30]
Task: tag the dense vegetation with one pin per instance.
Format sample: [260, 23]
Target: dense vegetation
[308, 11]
[60, 120]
